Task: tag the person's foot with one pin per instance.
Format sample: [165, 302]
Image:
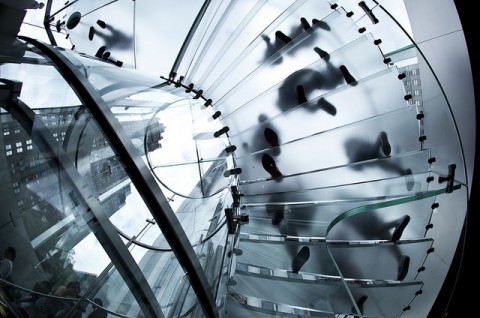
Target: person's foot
[283, 37]
[100, 51]
[91, 33]
[327, 106]
[384, 144]
[403, 268]
[347, 76]
[300, 259]
[102, 24]
[271, 137]
[320, 24]
[277, 217]
[269, 165]
[321, 53]
[409, 179]
[306, 26]
[301, 98]
[397, 233]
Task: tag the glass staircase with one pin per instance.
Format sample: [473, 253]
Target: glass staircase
[294, 174]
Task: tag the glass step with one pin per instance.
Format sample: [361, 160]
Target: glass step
[239, 305]
[314, 219]
[277, 85]
[323, 293]
[372, 190]
[372, 96]
[379, 260]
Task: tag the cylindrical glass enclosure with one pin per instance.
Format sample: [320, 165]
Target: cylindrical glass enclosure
[74, 212]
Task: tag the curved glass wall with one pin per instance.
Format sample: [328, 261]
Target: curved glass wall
[77, 216]
[282, 146]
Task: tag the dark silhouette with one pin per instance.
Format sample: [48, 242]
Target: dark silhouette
[112, 37]
[282, 39]
[265, 137]
[270, 166]
[371, 226]
[26, 304]
[7, 262]
[300, 259]
[299, 87]
[360, 150]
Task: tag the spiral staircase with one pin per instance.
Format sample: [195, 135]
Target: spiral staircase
[341, 195]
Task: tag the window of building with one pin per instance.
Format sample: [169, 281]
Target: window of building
[19, 150]
[8, 147]
[8, 153]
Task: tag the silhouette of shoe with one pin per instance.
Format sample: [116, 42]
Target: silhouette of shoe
[347, 76]
[384, 144]
[277, 217]
[397, 233]
[301, 95]
[403, 269]
[269, 165]
[322, 53]
[271, 137]
[100, 51]
[91, 33]
[101, 24]
[327, 106]
[306, 26]
[360, 303]
[300, 259]
[409, 179]
[320, 24]
[283, 37]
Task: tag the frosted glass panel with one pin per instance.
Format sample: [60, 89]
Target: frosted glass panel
[355, 259]
[225, 30]
[374, 95]
[258, 20]
[325, 295]
[314, 219]
[406, 165]
[317, 75]
[376, 189]
[383, 261]
[346, 145]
